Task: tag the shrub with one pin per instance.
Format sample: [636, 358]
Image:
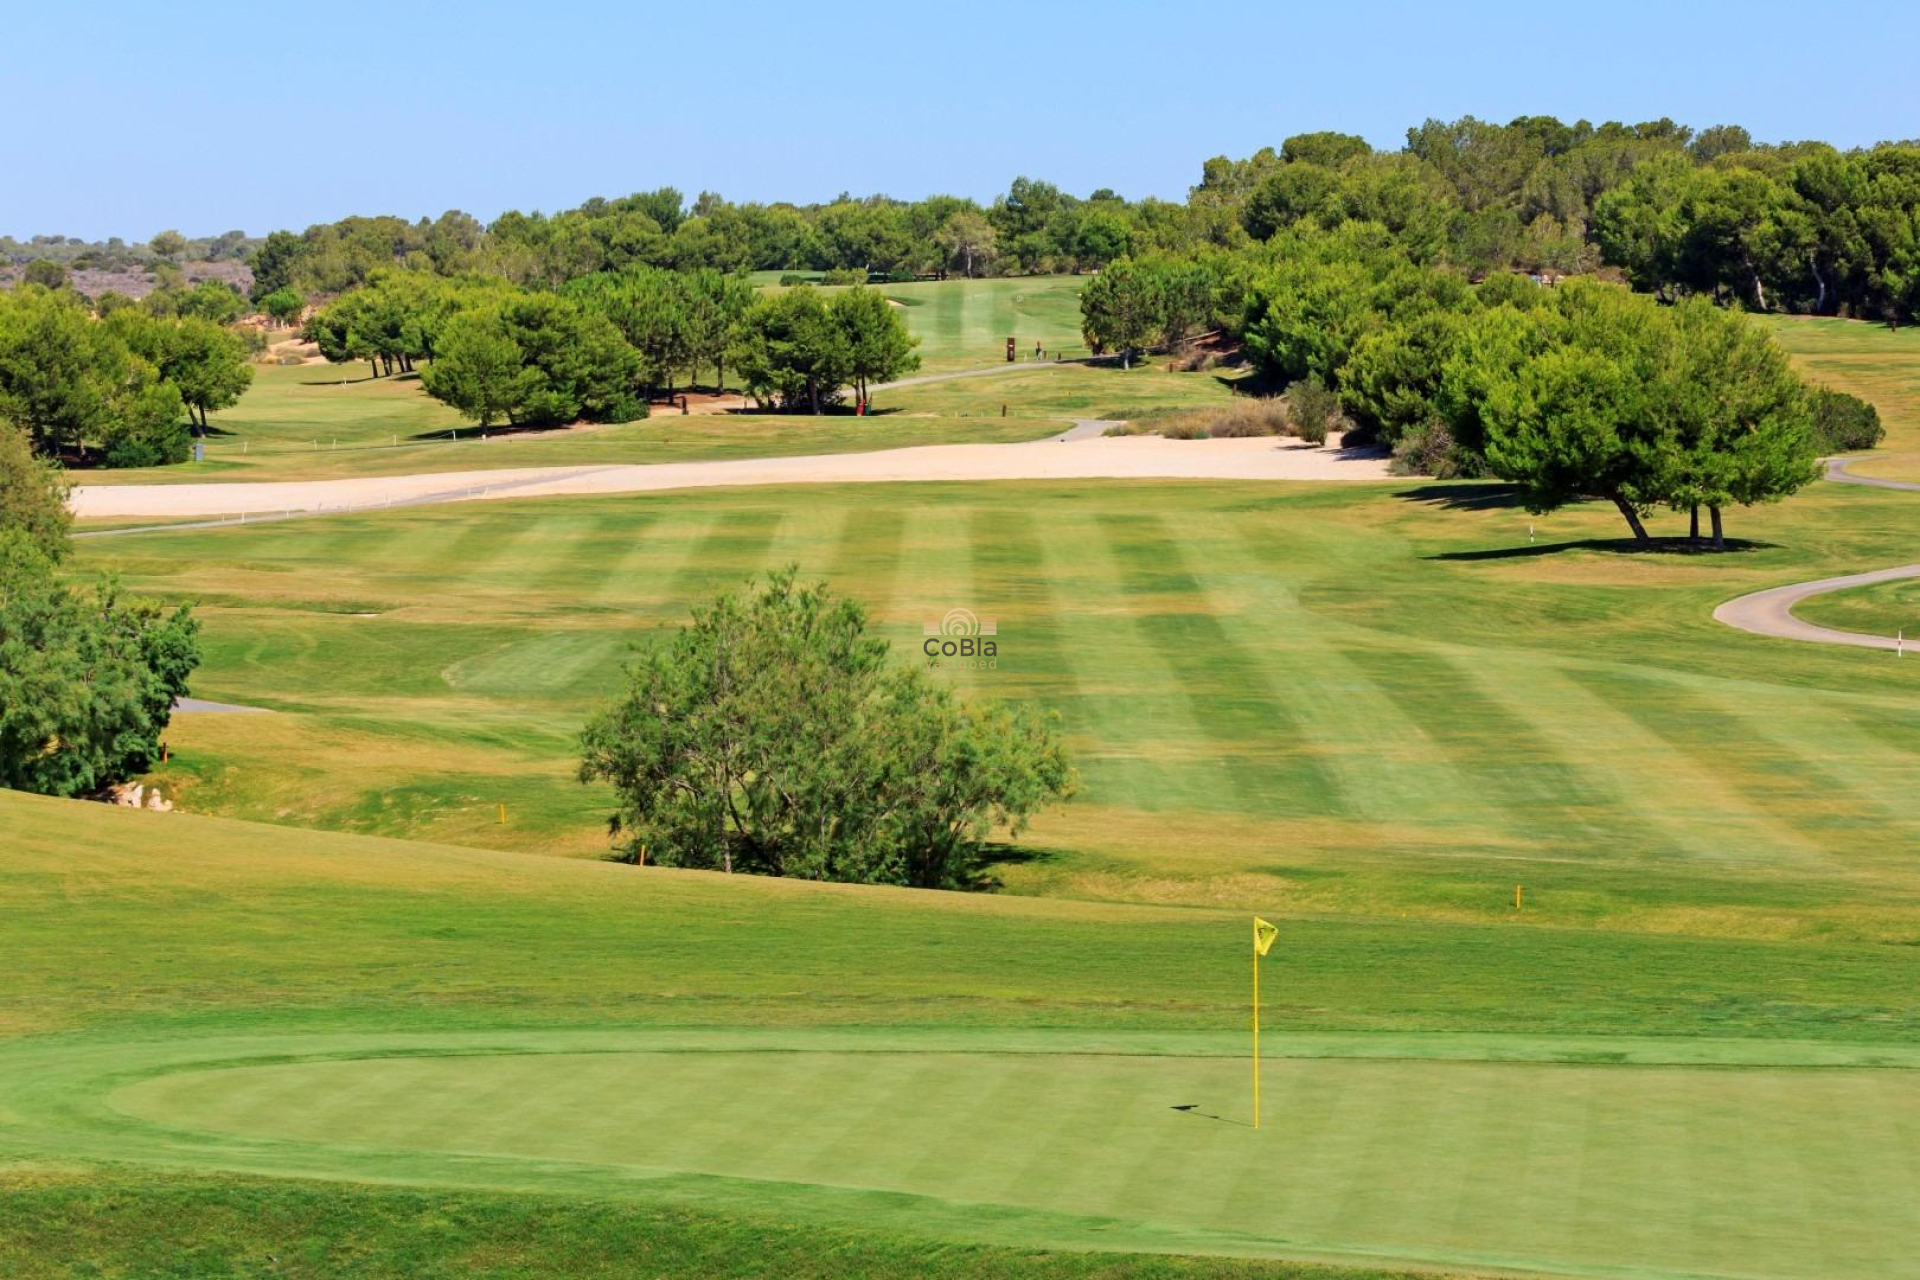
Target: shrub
[1843, 423]
[1266, 416]
[844, 275]
[773, 735]
[1314, 410]
[1430, 450]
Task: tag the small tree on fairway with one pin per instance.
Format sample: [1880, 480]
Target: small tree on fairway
[879, 348]
[772, 735]
[1605, 394]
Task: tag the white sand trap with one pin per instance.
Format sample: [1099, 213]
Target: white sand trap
[1099, 458]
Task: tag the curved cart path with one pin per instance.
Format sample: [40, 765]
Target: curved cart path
[1770, 612]
[1083, 452]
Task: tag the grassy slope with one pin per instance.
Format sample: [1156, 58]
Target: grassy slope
[965, 324]
[369, 962]
[132, 1226]
[1882, 609]
[1360, 701]
[1872, 361]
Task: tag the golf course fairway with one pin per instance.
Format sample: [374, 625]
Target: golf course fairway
[1634, 1157]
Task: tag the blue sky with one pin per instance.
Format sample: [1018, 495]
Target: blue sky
[125, 119]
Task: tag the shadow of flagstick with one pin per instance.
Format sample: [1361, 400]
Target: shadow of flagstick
[1193, 1109]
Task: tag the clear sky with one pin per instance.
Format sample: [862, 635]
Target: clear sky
[127, 118]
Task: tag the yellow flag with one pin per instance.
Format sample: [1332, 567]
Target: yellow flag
[1263, 936]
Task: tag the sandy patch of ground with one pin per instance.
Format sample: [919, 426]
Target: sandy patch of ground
[1097, 458]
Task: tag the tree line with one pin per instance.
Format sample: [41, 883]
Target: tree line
[1584, 389]
[602, 346]
[1795, 225]
[118, 383]
[1798, 225]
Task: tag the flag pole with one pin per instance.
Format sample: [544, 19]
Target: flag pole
[1256, 1035]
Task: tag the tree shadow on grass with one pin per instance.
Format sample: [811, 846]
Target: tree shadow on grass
[1612, 546]
[1474, 495]
[995, 856]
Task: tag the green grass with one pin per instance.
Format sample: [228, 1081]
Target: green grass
[1068, 391]
[300, 423]
[965, 324]
[1365, 712]
[1882, 609]
[680, 1058]
[1872, 361]
[723, 1052]
[132, 1226]
[1271, 690]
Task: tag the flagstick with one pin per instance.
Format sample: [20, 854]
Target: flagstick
[1256, 1037]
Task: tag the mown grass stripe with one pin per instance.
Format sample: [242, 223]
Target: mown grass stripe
[1268, 758]
[732, 547]
[1771, 774]
[1517, 776]
[1156, 754]
[1659, 783]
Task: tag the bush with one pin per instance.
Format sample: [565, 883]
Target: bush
[1843, 423]
[1265, 416]
[33, 495]
[1430, 450]
[899, 275]
[87, 679]
[1314, 410]
[844, 275]
[773, 735]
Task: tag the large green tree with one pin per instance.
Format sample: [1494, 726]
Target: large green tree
[879, 348]
[772, 735]
[203, 361]
[536, 359]
[77, 389]
[1605, 394]
[791, 352]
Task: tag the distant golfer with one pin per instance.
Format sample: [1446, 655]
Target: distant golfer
[1036, 351]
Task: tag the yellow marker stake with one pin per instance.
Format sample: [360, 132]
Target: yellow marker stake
[1263, 936]
[503, 815]
[1516, 897]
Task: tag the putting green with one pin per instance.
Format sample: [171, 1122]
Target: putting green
[1440, 1152]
